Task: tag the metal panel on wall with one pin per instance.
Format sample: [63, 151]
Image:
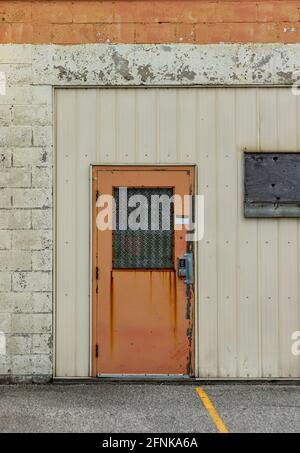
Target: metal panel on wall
[248, 271]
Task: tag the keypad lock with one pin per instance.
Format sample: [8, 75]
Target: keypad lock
[186, 268]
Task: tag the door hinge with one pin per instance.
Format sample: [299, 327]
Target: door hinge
[97, 194]
[97, 350]
[97, 273]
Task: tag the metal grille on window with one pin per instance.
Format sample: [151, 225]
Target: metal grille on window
[143, 237]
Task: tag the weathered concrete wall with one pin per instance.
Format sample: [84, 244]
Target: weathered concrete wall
[26, 159]
[155, 65]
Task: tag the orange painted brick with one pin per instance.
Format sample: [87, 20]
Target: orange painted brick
[212, 33]
[42, 34]
[133, 11]
[5, 33]
[114, 33]
[184, 11]
[155, 33]
[53, 12]
[278, 11]
[185, 33]
[92, 12]
[15, 11]
[289, 32]
[236, 12]
[21, 33]
[236, 33]
[256, 33]
[72, 33]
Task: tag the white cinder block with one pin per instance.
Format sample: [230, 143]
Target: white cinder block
[32, 239]
[31, 323]
[21, 364]
[30, 157]
[27, 302]
[42, 177]
[5, 198]
[33, 115]
[17, 95]
[5, 115]
[42, 344]
[42, 218]
[42, 302]
[32, 281]
[42, 95]
[42, 135]
[42, 260]
[5, 281]
[15, 219]
[17, 74]
[18, 136]
[5, 322]
[5, 239]
[10, 53]
[19, 344]
[15, 260]
[42, 364]
[5, 364]
[5, 158]
[32, 198]
[15, 177]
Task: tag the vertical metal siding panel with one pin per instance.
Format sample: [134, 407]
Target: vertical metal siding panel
[288, 245]
[186, 125]
[125, 125]
[66, 240]
[227, 232]
[247, 297]
[206, 158]
[75, 150]
[146, 121]
[167, 125]
[86, 124]
[106, 126]
[268, 247]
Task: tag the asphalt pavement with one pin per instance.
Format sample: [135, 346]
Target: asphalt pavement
[159, 408]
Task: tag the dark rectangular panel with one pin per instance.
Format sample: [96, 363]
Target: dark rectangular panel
[272, 184]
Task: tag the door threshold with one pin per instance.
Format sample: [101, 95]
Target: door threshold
[143, 376]
[129, 378]
[147, 378]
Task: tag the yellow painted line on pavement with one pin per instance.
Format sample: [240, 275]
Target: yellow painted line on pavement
[221, 427]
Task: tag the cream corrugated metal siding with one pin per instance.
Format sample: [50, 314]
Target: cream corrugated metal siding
[248, 297]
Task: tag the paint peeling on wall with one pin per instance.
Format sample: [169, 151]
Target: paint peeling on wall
[126, 64]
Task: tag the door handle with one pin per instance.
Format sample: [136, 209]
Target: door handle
[186, 268]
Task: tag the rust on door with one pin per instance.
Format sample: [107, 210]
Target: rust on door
[143, 310]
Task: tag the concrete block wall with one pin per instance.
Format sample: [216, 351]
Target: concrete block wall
[25, 221]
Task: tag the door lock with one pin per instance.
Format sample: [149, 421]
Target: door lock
[186, 268]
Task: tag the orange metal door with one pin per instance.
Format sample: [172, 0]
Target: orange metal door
[143, 316]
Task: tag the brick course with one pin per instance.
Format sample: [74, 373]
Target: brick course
[145, 21]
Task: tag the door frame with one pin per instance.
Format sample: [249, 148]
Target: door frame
[91, 251]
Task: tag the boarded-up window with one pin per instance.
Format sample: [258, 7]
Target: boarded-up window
[272, 184]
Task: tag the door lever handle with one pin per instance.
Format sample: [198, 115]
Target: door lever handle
[186, 268]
